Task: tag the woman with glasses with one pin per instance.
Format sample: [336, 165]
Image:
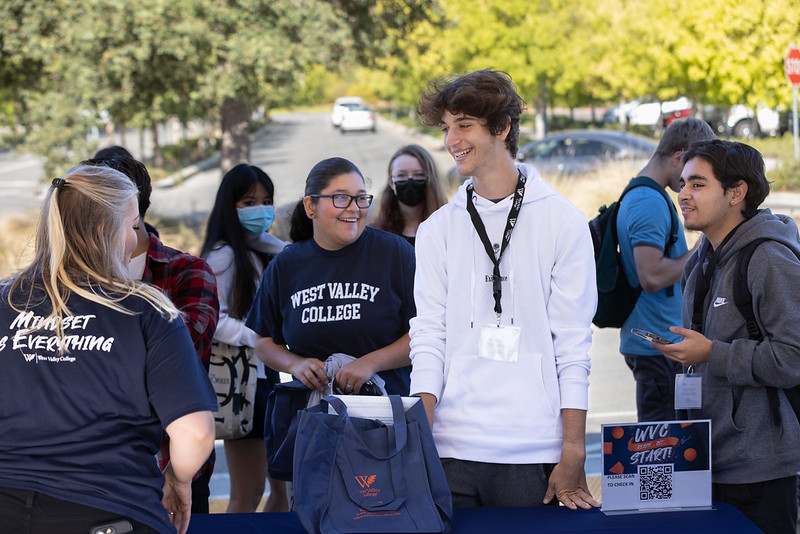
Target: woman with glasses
[94, 367]
[341, 287]
[412, 193]
[238, 248]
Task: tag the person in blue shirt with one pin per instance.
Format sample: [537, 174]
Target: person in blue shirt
[341, 287]
[94, 367]
[644, 222]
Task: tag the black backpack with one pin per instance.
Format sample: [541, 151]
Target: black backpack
[615, 296]
[744, 302]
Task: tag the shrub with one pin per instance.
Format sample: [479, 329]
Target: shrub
[786, 176]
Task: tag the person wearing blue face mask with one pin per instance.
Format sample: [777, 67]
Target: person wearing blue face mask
[238, 249]
[413, 191]
[256, 219]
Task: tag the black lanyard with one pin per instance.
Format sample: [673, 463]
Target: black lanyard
[497, 288]
[702, 286]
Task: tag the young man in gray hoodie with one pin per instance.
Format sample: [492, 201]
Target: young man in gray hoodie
[755, 433]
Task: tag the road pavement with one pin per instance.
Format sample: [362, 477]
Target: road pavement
[22, 190]
[287, 148]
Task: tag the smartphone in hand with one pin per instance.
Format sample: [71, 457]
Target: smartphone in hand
[649, 336]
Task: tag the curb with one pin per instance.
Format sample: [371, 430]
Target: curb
[178, 177]
[203, 165]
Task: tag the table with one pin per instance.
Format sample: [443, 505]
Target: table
[723, 519]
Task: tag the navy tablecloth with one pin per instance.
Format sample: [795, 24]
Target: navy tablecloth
[723, 519]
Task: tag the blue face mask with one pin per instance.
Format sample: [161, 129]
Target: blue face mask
[256, 219]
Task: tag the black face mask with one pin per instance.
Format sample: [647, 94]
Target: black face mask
[410, 192]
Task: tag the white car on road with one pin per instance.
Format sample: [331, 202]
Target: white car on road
[342, 105]
[358, 118]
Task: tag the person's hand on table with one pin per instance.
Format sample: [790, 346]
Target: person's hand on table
[568, 484]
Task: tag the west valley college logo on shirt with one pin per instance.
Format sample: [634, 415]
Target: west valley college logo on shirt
[333, 291]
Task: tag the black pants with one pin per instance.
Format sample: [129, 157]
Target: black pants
[30, 512]
[655, 386]
[475, 484]
[771, 505]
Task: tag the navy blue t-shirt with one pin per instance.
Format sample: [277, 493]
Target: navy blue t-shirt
[85, 425]
[354, 300]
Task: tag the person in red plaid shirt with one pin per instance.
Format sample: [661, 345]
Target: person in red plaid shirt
[187, 280]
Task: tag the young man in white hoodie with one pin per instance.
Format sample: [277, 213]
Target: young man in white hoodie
[505, 294]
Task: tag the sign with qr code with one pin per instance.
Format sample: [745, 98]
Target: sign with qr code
[656, 466]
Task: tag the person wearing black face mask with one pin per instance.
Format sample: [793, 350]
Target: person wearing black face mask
[413, 191]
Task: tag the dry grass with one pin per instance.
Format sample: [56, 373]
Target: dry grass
[589, 191]
[16, 243]
[16, 240]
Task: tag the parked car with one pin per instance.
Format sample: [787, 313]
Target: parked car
[359, 117]
[745, 122]
[651, 112]
[611, 116]
[581, 151]
[342, 105]
[657, 113]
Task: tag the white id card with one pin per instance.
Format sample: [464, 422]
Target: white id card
[688, 392]
[499, 343]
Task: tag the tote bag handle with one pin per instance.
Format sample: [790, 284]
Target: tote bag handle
[398, 433]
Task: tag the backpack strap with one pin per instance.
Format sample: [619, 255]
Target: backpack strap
[741, 292]
[646, 181]
[743, 299]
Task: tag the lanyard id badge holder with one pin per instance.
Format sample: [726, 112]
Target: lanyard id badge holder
[498, 342]
[688, 390]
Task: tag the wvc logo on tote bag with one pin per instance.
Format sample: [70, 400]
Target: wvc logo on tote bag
[366, 481]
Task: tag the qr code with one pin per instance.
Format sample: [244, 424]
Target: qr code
[655, 482]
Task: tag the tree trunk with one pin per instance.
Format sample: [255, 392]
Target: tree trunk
[542, 127]
[158, 157]
[235, 134]
[623, 117]
[185, 144]
[111, 140]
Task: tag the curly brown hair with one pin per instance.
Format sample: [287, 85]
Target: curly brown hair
[487, 94]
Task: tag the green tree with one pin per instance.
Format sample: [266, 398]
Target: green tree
[144, 61]
[48, 86]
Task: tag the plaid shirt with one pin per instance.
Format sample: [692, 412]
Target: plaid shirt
[190, 284]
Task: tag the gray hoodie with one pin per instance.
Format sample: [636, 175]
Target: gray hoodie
[747, 446]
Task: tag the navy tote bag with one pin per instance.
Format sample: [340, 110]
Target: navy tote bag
[355, 475]
[280, 427]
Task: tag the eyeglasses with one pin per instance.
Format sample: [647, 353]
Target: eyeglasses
[343, 201]
[419, 177]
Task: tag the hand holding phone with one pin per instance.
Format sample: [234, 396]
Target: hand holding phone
[649, 336]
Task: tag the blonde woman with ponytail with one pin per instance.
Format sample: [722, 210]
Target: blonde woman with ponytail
[94, 367]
